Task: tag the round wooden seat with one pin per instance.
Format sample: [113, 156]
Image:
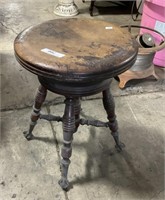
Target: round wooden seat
[75, 50]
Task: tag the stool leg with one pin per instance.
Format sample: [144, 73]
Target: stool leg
[77, 109]
[39, 99]
[109, 106]
[66, 151]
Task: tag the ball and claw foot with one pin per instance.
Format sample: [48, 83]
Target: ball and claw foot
[28, 136]
[64, 183]
[120, 146]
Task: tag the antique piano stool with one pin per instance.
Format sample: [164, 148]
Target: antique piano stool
[75, 58]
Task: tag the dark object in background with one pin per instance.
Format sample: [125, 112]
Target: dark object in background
[110, 6]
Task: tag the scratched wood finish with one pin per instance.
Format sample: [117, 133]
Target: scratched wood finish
[91, 50]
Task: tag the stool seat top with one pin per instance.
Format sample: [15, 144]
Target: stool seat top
[75, 50]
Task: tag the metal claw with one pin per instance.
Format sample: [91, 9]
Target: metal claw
[28, 136]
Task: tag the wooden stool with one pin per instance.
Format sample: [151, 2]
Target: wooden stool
[75, 58]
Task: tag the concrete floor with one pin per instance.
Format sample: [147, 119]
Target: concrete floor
[30, 170]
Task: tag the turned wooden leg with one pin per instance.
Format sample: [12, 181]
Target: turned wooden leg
[39, 99]
[66, 151]
[109, 106]
[77, 109]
